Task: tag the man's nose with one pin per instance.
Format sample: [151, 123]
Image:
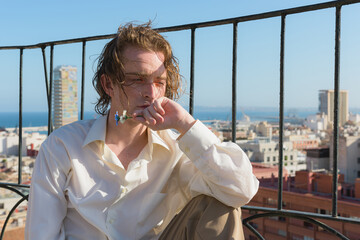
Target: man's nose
[149, 90]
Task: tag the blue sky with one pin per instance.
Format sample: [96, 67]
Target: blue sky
[309, 48]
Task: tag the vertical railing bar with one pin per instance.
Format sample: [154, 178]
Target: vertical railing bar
[234, 65]
[82, 80]
[192, 69]
[336, 110]
[281, 112]
[46, 76]
[20, 116]
[50, 89]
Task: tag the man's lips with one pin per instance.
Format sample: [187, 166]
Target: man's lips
[144, 106]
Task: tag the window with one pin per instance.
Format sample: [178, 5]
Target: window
[271, 201]
[286, 157]
[308, 225]
[308, 238]
[323, 211]
[274, 159]
[291, 157]
[268, 159]
[282, 233]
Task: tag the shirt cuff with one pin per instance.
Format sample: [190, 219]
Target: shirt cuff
[197, 140]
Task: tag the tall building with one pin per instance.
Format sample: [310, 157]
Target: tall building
[65, 100]
[326, 105]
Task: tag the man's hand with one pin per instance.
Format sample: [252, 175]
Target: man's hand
[165, 113]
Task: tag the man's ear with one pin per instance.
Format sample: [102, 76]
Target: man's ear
[107, 85]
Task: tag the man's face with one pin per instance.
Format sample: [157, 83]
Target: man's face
[145, 80]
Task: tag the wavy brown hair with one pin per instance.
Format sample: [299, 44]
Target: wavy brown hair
[111, 61]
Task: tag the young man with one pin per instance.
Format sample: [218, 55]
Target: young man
[126, 174]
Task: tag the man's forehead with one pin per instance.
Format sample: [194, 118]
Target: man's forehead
[138, 61]
[137, 54]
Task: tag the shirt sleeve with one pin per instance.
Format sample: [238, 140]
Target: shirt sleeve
[47, 203]
[219, 169]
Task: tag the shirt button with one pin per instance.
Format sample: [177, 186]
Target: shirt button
[123, 189]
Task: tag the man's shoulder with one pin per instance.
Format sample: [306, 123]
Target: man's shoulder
[73, 131]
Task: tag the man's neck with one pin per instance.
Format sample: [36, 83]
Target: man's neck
[126, 140]
[127, 132]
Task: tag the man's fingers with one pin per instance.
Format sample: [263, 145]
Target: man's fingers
[155, 114]
[149, 119]
[158, 106]
[137, 113]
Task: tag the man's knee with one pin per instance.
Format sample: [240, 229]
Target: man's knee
[205, 217]
[219, 221]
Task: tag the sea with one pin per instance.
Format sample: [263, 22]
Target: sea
[37, 119]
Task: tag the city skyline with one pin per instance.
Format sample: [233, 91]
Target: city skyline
[309, 51]
[294, 159]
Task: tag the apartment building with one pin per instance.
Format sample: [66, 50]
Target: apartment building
[326, 105]
[65, 96]
[307, 192]
[348, 156]
[266, 151]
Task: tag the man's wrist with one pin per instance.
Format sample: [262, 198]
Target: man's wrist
[185, 125]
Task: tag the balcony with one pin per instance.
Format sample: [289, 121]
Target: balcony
[271, 221]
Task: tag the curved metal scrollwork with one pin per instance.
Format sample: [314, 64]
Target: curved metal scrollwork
[12, 187]
[290, 214]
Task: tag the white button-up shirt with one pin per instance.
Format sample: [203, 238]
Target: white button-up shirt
[80, 190]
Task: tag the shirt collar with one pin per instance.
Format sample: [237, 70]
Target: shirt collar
[97, 132]
[154, 138]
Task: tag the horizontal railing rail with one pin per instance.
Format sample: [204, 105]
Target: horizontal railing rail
[279, 211]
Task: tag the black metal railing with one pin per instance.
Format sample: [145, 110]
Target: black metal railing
[279, 211]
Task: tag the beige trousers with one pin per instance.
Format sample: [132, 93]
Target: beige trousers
[205, 218]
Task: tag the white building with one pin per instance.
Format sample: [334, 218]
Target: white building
[355, 118]
[9, 142]
[317, 159]
[298, 165]
[318, 122]
[348, 157]
[264, 129]
[263, 150]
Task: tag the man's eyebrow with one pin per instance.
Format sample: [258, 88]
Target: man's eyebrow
[137, 73]
[144, 75]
